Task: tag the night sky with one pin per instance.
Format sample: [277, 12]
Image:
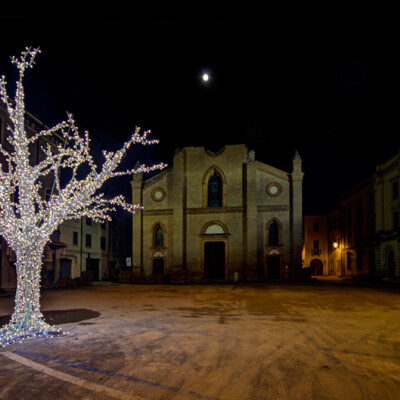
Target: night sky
[323, 82]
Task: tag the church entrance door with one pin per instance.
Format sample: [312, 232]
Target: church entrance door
[158, 266]
[273, 268]
[214, 260]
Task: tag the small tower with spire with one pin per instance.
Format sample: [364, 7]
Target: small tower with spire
[297, 163]
[138, 177]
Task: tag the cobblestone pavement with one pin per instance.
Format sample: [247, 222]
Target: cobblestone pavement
[261, 341]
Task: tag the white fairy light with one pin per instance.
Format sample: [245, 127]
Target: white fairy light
[27, 220]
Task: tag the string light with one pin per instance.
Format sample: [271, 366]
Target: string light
[27, 220]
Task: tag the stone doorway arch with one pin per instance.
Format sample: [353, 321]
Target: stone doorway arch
[317, 267]
[158, 263]
[214, 258]
[273, 264]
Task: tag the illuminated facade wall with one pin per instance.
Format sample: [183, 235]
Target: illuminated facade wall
[71, 258]
[358, 229]
[88, 249]
[315, 252]
[335, 244]
[222, 216]
[351, 230]
[342, 242]
[387, 210]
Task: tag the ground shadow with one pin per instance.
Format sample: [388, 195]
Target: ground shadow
[58, 317]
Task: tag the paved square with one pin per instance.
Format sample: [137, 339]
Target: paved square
[263, 341]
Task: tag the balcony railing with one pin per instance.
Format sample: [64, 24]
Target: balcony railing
[315, 252]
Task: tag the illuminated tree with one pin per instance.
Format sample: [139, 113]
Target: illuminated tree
[27, 219]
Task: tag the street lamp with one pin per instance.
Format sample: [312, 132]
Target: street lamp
[337, 246]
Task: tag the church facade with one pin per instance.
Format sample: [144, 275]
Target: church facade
[218, 216]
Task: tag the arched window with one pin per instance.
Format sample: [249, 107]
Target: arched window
[273, 234]
[158, 236]
[214, 190]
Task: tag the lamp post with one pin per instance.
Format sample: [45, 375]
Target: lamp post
[340, 248]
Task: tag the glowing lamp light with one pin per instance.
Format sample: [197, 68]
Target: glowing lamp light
[205, 77]
[335, 245]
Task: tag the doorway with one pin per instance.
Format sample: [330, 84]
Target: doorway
[65, 268]
[273, 267]
[316, 267]
[158, 266]
[93, 268]
[214, 260]
[390, 264]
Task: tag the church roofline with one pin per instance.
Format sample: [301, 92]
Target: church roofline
[263, 167]
[156, 178]
[209, 152]
[272, 170]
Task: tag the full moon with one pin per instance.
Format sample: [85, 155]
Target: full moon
[205, 77]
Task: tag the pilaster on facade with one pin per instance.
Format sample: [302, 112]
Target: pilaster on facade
[296, 211]
[251, 216]
[137, 225]
[179, 205]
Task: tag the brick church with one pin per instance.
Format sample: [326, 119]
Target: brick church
[219, 216]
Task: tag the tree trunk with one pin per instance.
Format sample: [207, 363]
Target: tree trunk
[27, 319]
